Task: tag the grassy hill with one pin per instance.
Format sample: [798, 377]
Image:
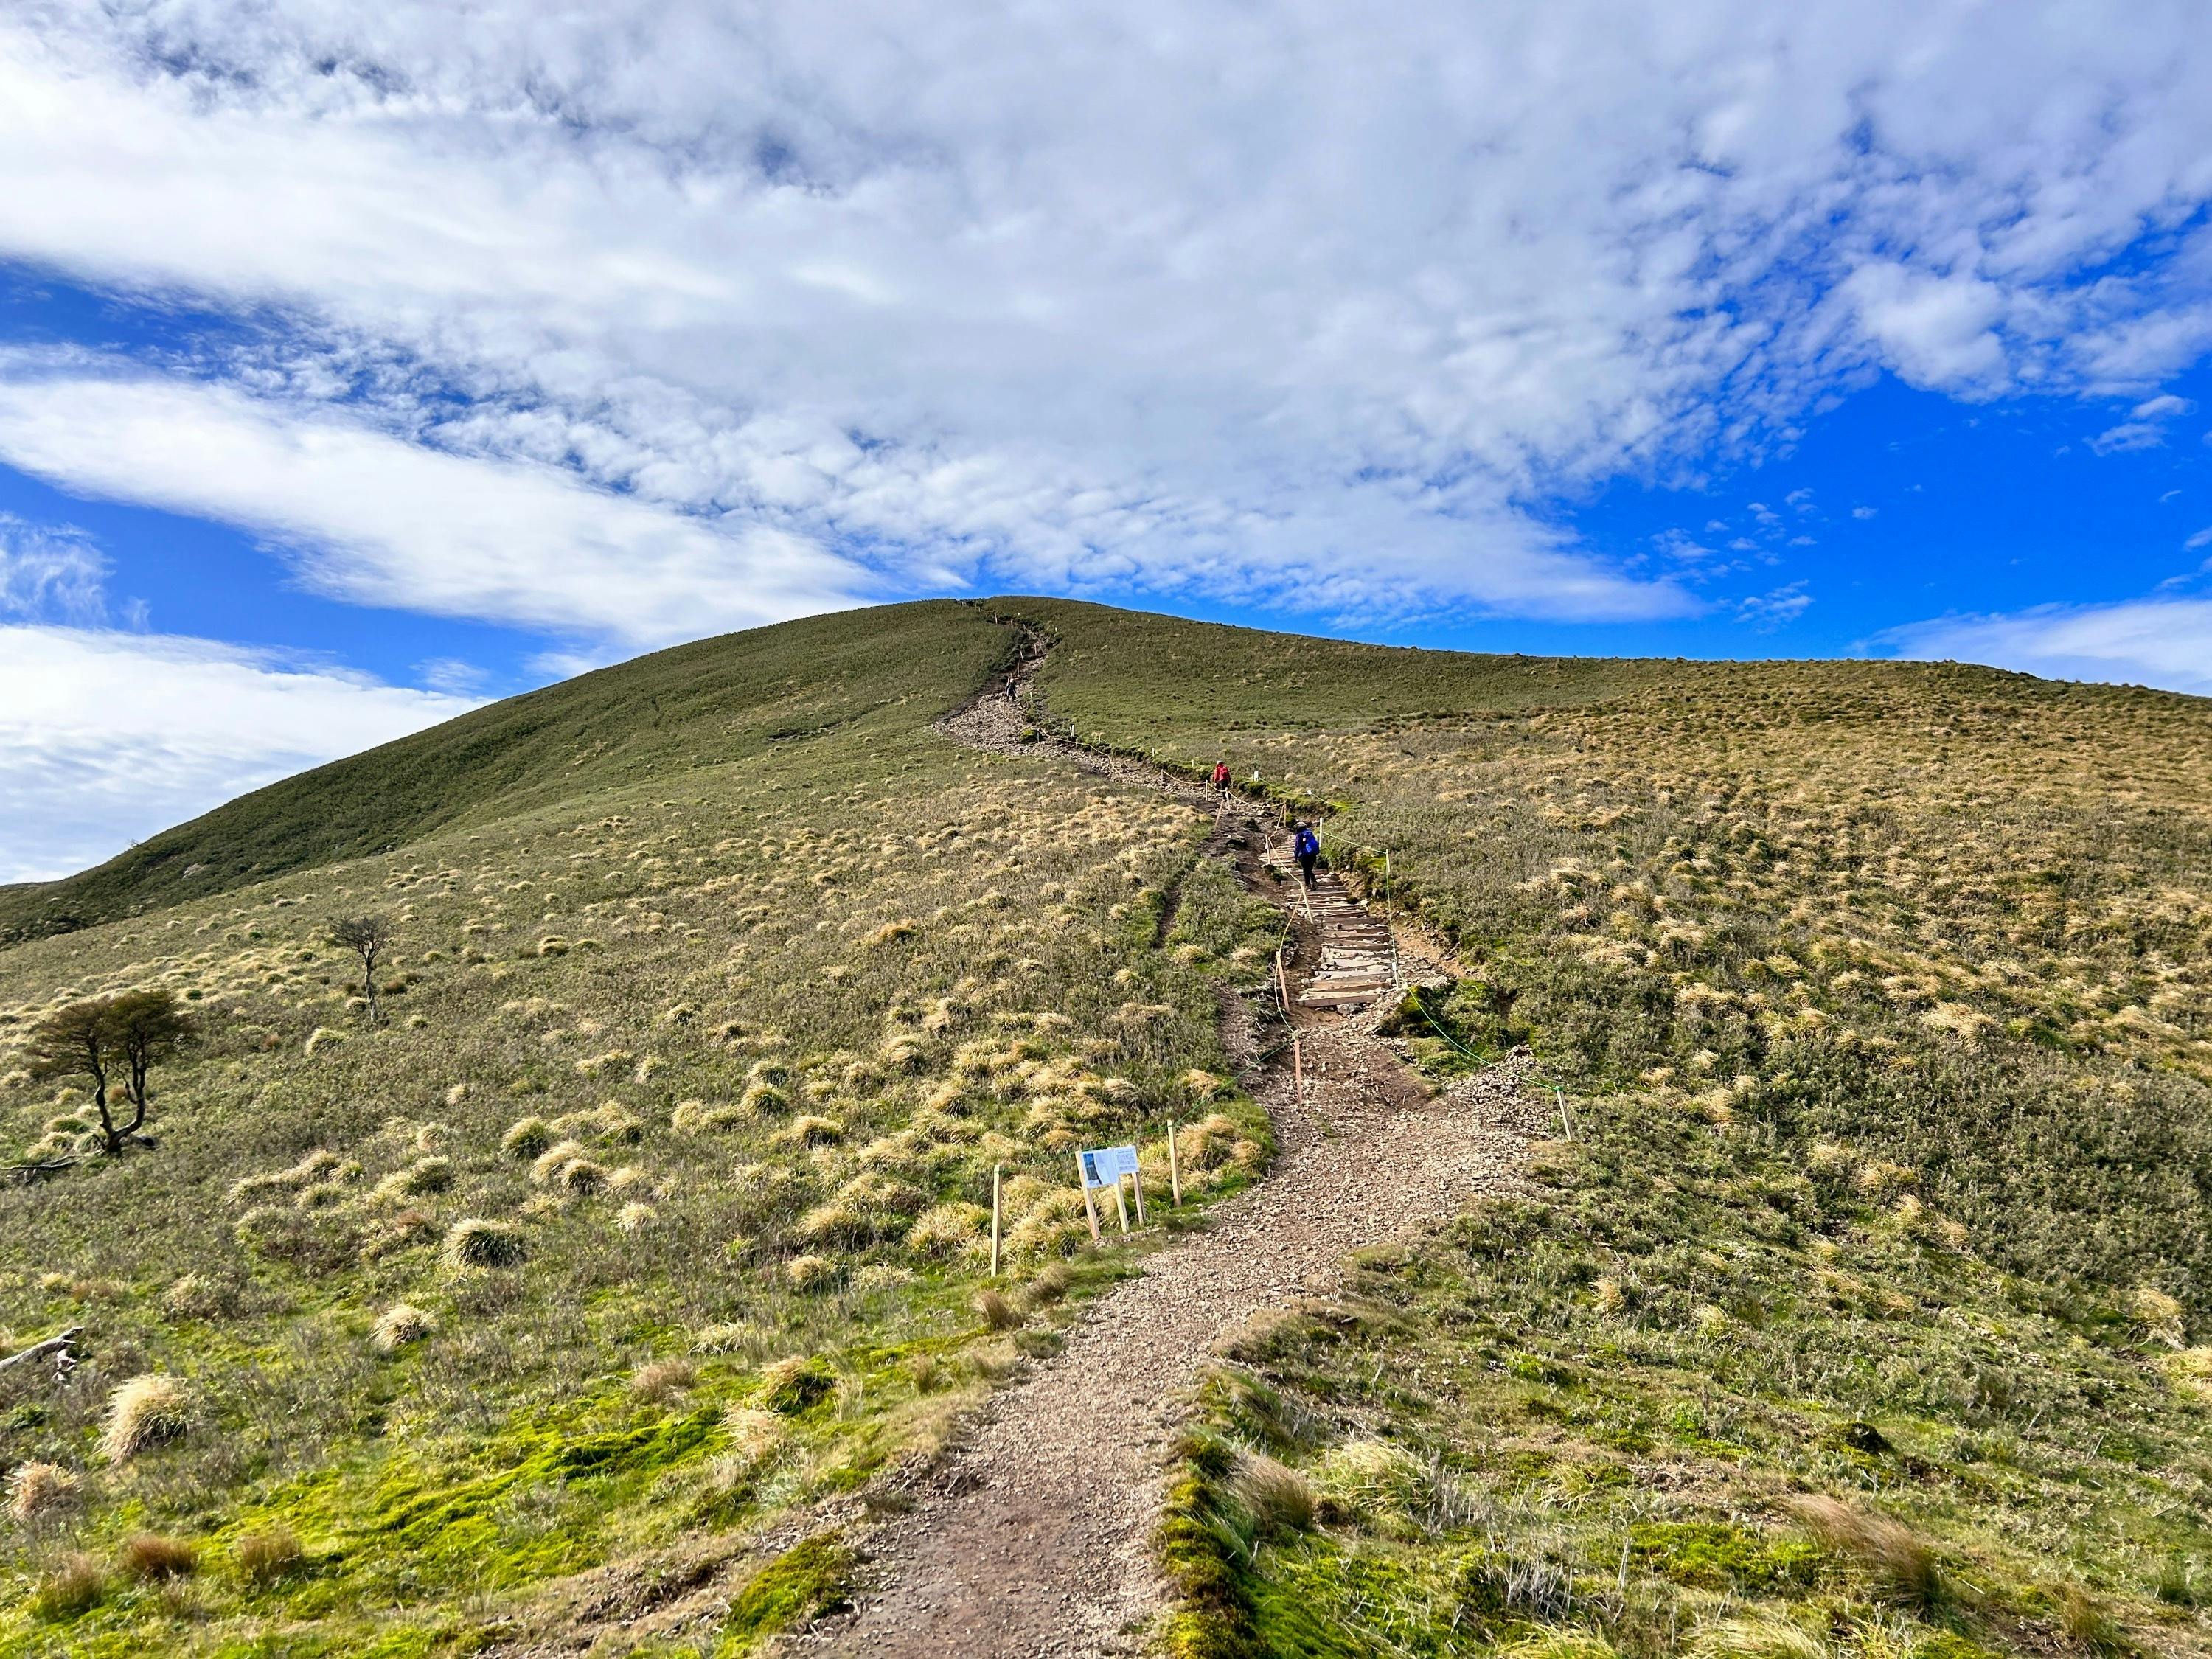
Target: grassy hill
[719, 700]
[1881, 995]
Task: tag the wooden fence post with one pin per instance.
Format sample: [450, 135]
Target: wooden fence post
[1175, 1174]
[996, 1168]
[1090, 1203]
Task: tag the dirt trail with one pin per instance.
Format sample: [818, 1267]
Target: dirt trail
[1034, 1538]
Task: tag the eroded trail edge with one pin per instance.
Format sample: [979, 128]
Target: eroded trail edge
[1035, 1536]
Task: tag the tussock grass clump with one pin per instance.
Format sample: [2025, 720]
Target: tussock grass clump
[663, 1380]
[634, 1216]
[999, 1313]
[1279, 1500]
[527, 1137]
[753, 1433]
[36, 1490]
[546, 1168]
[392, 1234]
[316, 1166]
[582, 1177]
[477, 1242]
[808, 1131]
[698, 1116]
[197, 1296]
[948, 1230]
[149, 1558]
[74, 1585]
[1375, 1483]
[1758, 1636]
[1048, 1286]
[794, 1385]
[268, 1554]
[2160, 1316]
[1885, 1548]
[811, 1273]
[146, 1412]
[423, 1176]
[400, 1324]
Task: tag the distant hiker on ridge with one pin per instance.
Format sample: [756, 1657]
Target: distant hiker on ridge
[1306, 847]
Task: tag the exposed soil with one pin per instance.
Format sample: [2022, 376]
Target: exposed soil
[1034, 1537]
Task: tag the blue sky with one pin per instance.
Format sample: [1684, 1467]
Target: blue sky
[356, 367]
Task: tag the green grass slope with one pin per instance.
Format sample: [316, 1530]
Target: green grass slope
[650, 1222]
[719, 700]
[1861, 1314]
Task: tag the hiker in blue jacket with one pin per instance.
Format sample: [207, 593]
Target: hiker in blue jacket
[1306, 847]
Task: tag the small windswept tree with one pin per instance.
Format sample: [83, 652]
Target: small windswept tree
[367, 937]
[149, 1027]
[111, 1040]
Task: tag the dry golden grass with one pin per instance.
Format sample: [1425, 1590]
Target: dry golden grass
[75, 1584]
[662, 1381]
[999, 1313]
[477, 1242]
[1885, 1549]
[400, 1324]
[1279, 1500]
[37, 1490]
[149, 1558]
[146, 1412]
[269, 1553]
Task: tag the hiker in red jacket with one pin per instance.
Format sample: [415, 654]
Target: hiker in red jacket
[1221, 778]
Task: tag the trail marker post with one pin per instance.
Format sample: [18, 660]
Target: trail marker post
[995, 1170]
[1174, 1174]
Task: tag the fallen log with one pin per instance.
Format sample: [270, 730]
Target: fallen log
[26, 1175]
[53, 1345]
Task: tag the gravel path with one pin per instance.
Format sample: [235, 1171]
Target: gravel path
[1034, 1538]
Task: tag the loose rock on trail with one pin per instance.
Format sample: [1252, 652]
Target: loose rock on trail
[1034, 1537]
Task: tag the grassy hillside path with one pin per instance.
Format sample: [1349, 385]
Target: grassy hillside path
[1035, 1538]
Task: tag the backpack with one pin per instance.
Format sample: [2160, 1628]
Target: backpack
[1309, 844]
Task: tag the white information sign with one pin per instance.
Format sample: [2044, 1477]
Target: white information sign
[1105, 1165]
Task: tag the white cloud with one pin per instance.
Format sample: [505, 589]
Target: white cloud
[372, 517]
[105, 738]
[2202, 539]
[1048, 297]
[2127, 435]
[49, 571]
[1935, 330]
[2161, 642]
[1768, 611]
